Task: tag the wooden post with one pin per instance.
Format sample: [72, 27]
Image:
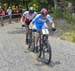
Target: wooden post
[2, 21]
[10, 18]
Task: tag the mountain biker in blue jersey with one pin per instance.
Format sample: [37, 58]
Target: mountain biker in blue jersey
[39, 22]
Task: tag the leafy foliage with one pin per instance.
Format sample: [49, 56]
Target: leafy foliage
[33, 4]
[37, 4]
[68, 16]
[57, 13]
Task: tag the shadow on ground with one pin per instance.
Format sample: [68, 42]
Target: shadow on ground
[52, 64]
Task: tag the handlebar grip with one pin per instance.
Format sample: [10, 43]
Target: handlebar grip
[53, 29]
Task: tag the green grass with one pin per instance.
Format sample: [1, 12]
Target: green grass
[68, 30]
[70, 36]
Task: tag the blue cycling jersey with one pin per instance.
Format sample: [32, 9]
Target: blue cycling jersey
[38, 21]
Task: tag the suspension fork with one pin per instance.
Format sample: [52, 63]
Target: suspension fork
[44, 40]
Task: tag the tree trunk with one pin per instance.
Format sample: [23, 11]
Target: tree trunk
[55, 4]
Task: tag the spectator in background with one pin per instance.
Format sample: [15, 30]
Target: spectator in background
[16, 11]
[1, 11]
[9, 11]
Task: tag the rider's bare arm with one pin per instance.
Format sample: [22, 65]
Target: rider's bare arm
[22, 20]
[53, 25]
[31, 25]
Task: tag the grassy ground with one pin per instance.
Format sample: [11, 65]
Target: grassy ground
[65, 30]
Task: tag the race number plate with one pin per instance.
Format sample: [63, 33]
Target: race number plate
[45, 31]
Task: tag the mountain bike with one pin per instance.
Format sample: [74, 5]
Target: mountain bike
[44, 48]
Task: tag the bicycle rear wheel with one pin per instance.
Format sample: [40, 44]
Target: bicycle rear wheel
[30, 39]
[46, 53]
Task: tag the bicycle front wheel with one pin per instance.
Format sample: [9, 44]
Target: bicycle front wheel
[46, 53]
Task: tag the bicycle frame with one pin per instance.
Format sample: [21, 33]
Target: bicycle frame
[43, 37]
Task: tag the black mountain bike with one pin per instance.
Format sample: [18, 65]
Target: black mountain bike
[28, 34]
[44, 48]
[31, 44]
[30, 38]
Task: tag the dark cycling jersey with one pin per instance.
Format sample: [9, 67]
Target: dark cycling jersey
[27, 17]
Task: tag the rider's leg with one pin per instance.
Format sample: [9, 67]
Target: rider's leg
[37, 35]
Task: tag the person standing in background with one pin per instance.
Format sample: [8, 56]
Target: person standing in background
[17, 11]
[9, 12]
[1, 11]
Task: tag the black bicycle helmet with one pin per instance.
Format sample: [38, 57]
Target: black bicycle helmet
[31, 10]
